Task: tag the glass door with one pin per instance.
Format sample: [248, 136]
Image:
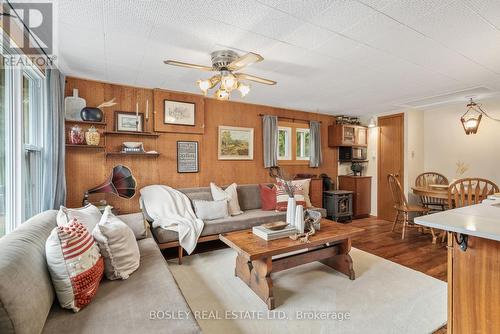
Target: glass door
[3, 148]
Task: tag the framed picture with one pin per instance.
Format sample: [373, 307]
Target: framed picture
[179, 113]
[235, 143]
[127, 121]
[187, 157]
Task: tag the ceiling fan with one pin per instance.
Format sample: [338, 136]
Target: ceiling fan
[226, 63]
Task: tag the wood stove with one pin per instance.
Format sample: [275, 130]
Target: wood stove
[338, 205]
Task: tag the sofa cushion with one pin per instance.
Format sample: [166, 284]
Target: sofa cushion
[201, 193]
[249, 196]
[137, 224]
[26, 292]
[210, 210]
[126, 306]
[244, 221]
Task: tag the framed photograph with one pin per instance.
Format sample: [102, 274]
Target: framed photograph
[187, 157]
[179, 113]
[235, 143]
[127, 121]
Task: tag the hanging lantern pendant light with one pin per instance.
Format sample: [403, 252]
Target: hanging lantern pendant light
[472, 117]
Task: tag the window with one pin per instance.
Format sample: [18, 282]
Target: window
[293, 143]
[284, 143]
[22, 89]
[3, 147]
[32, 162]
[303, 144]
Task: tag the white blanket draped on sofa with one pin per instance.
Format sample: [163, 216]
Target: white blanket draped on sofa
[172, 210]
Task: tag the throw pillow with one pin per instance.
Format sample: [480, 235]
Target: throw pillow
[305, 185]
[268, 196]
[282, 196]
[118, 246]
[230, 194]
[88, 215]
[210, 210]
[75, 264]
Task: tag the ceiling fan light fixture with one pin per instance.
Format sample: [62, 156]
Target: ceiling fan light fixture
[221, 94]
[228, 81]
[204, 85]
[244, 89]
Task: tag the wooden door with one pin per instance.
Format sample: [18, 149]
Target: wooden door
[390, 161]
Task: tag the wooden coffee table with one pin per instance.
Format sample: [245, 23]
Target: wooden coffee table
[254, 263]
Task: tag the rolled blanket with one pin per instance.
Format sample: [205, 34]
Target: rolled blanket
[172, 210]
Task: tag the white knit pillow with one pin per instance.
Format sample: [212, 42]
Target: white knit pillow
[88, 215]
[230, 194]
[118, 246]
[210, 210]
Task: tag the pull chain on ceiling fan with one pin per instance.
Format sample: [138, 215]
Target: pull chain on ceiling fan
[226, 63]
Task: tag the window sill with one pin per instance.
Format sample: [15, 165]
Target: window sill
[293, 162]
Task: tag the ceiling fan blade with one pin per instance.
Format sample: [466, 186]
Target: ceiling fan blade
[244, 76]
[188, 65]
[244, 60]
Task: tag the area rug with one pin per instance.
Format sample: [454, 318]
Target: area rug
[313, 298]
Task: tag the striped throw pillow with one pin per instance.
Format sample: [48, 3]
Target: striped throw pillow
[75, 264]
[282, 196]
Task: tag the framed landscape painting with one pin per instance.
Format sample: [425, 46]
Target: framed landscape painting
[179, 113]
[235, 143]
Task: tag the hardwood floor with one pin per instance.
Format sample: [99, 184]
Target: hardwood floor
[416, 251]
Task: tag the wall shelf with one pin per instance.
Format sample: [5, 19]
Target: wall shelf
[85, 122]
[127, 133]
[97, 147]
[142, 154]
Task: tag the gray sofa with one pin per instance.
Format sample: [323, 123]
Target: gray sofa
[28, 303]
[250, 203]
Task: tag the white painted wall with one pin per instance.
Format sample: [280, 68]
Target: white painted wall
[434, 140]
[445, 142]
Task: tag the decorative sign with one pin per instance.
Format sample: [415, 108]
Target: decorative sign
[187, 157]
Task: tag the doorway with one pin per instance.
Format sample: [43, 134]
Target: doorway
[390, 161]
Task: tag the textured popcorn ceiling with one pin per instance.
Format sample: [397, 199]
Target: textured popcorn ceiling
[338, 56]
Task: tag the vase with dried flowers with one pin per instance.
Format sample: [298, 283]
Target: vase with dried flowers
[285, 185]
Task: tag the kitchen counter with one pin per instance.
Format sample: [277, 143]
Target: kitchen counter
[480, 220]
[473, 265]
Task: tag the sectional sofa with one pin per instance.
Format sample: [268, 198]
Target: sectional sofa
[28, 303]
[250, 203]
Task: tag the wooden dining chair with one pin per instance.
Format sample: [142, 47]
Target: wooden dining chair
[403, 209]
[427, 179]
[469, 191]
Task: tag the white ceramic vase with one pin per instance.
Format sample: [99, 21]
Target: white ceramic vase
[299, 218]
[290, 211]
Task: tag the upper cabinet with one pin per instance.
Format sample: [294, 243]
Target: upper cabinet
[347, 135]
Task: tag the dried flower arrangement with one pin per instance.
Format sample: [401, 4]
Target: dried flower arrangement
[462, 168]
[283, 181]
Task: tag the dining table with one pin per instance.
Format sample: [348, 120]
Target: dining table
[435, 191]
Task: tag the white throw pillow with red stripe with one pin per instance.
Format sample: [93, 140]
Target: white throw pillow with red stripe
[75, 264]
[282, 196]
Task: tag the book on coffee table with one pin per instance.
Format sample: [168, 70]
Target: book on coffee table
[268, 234]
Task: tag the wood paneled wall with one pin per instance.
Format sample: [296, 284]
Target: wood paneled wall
[88, 168]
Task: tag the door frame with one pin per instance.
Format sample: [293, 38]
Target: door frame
[379, 156]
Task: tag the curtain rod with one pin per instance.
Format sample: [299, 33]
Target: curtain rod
[292, 119]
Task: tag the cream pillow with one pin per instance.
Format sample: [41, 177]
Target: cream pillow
[118, 246]
[304, 185]
[210, 210]
[88, 215]
[230, 194]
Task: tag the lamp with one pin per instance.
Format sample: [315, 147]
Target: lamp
[244, 89]
[472, 117]
[121, 182]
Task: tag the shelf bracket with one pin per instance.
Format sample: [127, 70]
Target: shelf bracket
[461, 240]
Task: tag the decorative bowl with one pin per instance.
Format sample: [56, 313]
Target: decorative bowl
[132, 144]
[275, 226]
